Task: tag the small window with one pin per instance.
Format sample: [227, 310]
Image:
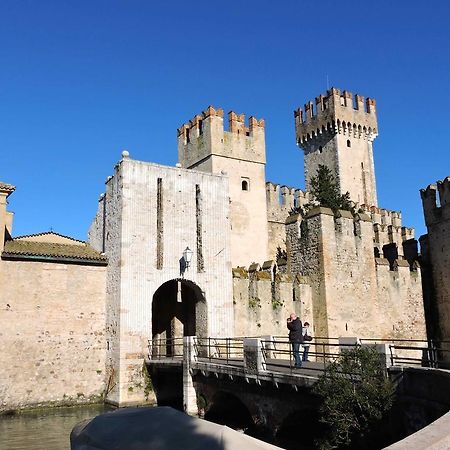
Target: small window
[200, 127]
[245, 185]
[320, 149]
[349, 144]
[188, 137]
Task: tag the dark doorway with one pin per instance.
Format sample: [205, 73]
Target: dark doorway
[178, 309]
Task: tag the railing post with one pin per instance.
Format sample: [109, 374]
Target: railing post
[253, 356]
[189, 394]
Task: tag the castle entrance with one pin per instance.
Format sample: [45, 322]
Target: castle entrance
[178, 309]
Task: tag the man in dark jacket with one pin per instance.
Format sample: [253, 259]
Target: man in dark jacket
[294, 325]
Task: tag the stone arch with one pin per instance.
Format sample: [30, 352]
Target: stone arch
[227, 409]
[307, 420]
[179, 309]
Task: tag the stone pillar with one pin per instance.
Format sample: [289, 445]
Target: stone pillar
[384, 352]
[347, 342]
[189, 394]
[253, 357]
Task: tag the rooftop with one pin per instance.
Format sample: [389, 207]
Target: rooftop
[51, 251]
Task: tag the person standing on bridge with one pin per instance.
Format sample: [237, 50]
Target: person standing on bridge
[307, 338]
[294, 325]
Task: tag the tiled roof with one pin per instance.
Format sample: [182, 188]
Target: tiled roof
[47, 233]
[5, 187]
[52, 251]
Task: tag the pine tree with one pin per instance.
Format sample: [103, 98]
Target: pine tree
[325, 192]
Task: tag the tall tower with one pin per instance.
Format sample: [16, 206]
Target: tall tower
[240, 152]
[337, 131]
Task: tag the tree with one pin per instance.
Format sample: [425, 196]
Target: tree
[355, 393]
[325, 192]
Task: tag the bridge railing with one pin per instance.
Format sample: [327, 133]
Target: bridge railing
[220, 350]
[277, 353]
[170, 348]
[416, 352]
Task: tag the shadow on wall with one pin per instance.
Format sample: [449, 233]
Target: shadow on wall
[227, 409]
[299, 430]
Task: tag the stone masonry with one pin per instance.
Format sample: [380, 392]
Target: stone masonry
[191, 250]
[52, 317]
[146, 219]
[436, 254]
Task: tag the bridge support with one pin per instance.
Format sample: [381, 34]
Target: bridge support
[189, 394]
[253, 356]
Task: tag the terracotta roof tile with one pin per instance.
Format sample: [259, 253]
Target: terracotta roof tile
[8, 188]
[48, 233]
[49, 250]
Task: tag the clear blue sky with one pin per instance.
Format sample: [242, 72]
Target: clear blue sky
[82, 80]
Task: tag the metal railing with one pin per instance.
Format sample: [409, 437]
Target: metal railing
[220, 350]
[278, 354]
[171, 348]
[416, 352]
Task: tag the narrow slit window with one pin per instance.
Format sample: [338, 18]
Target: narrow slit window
[159, 225]
[349, 144]
[199, 226]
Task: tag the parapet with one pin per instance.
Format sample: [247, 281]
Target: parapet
[6, 189]
[281, 199]
[384, 216]
[195, 126]
[436, 201]
[336, 112]
[236, 124]
[388, 228]
[205, 135]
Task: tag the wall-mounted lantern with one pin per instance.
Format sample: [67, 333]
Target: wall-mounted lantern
[187, 255]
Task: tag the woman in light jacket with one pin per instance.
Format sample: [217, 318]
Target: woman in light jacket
[306, 342]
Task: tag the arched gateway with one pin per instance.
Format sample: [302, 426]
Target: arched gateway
[178, 309]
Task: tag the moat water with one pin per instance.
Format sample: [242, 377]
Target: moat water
[44, 429]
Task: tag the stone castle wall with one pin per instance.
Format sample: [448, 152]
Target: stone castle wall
[280, 200]
[353, 293]
[153, 213]
[52, 335]
[436, 206]
[104, 236]
[263, 301]
[240, 152]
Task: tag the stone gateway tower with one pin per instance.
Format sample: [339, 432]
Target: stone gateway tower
[338, 132]
[240, 152]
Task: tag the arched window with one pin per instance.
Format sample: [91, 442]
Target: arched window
[349, 144]
[244, 185]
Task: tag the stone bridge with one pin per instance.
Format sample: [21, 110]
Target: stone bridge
[251, 382]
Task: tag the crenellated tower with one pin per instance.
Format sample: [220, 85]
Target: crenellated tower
[240, 152]
[338, 130]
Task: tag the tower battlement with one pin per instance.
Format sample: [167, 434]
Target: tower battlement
[196, 126]
[239, 151]
[281, 199]
[436, 201]
[336, 112]
[337, 130]
[205, 135]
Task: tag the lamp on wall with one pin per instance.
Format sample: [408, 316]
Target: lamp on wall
[187, 255]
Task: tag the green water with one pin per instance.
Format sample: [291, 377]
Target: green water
[44, 429]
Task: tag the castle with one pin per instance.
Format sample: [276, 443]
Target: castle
[348, 274]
